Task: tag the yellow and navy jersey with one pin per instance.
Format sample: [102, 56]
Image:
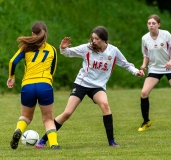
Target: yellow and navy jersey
[40, 65]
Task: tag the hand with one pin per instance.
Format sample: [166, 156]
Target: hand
[10, 82]
[143, 68]
[140, 73]
[65, 43]
[168, 66]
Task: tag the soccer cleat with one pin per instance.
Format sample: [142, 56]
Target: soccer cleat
[41, 143]
[55, 147]
[144, 125]
[112, 143]
[15, 139]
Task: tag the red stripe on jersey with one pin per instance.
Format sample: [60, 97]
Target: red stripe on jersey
[88, 60]
[113, 65]
[168, 48]
[145, 49]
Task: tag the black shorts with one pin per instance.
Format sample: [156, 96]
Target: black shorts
[159, 76]
[80, 91]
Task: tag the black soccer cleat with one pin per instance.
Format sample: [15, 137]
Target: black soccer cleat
[55, 147]
[15, 139]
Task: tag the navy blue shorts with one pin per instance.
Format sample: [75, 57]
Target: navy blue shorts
[41, 92]
[80, 91]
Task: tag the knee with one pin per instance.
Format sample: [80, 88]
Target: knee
[144, 94]
[105, 108]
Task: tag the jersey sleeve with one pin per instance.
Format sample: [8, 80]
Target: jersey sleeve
[144, 48]
[14, 61]
[54, 62]
[169, 44]
[122, 62]
[78, 51]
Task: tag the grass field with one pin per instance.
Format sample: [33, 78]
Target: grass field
[83, 137]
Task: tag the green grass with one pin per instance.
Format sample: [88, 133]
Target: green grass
[83, 137]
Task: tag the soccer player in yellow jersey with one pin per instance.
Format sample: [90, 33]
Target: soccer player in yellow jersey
[40, 65]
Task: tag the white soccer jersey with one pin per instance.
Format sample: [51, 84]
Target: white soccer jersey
[97, 67]
[158, 51]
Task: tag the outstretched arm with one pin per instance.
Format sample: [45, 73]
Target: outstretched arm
[78, 51]
[65, 43]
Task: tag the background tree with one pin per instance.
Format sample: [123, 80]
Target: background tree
[125, 21]
[162, 4]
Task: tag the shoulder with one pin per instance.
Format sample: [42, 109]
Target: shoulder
[113, 49]
[146, 36]
[110, 46]
[164, 32]
[49, 47]
[165, 35]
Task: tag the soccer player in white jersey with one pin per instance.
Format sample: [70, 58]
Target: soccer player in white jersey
[156, 49]
[99, 58]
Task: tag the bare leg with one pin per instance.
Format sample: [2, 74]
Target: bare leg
[47, 117]
[72, 104]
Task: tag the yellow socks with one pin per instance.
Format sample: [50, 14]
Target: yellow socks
[22, 124]
[52, 137]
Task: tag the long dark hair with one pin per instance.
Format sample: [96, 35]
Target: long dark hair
[31, 43]
[101, 33]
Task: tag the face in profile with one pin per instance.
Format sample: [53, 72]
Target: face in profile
[97, 42]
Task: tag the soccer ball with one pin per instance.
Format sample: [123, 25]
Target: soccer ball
[30, 138]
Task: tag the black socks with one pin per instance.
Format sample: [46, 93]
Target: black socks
[145, 109]
[108, 124]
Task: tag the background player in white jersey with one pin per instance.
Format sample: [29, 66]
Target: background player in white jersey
[99, 58]
[156, 49]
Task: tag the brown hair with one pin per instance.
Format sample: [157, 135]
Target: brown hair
[156, 17]
[31, 43]
[101, 33]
